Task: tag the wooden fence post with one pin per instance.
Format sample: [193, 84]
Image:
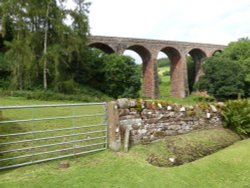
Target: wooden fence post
[114, 134]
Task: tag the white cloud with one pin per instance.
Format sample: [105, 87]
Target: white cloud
[210, 21]
[206, 21]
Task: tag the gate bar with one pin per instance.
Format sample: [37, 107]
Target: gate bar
[49, 145]
[52, 137]
[51, 105]
[41, 119]
[53, 130]
[48, 152]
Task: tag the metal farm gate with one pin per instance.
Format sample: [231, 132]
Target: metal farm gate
[38, 133]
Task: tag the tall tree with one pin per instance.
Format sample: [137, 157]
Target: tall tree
[223, 78]
[239, 52]
[14, 12]
[52, 46]
[45, 43]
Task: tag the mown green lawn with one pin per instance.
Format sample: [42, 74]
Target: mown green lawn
[63, 139]
[229, 167]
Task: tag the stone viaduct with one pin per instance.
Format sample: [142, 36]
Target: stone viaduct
[148, 51]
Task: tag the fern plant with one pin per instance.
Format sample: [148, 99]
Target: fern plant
[236, 115]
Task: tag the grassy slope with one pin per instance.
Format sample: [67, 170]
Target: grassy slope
[186, 147]
[164, 86]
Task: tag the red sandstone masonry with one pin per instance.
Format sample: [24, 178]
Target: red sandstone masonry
[155, 120]
[149, 49]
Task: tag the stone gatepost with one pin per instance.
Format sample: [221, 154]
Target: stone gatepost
[114, 134]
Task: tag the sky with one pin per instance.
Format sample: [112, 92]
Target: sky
[204, 21]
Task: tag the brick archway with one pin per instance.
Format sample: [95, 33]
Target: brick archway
[147, 70]
[102, 46]
[216, 51]
[177, 82]
[198, 57]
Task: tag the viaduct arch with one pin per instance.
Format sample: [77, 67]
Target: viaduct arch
[148, 50]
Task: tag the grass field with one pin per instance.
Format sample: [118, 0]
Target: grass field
[164, 85]
[229, 167]
[164, 88]
[66, 134]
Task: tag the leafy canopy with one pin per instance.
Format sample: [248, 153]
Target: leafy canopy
[227, 75]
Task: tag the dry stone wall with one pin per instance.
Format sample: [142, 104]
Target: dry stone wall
[148, 121]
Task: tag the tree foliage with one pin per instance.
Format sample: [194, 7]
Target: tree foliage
[223, 78]
[227, 75]
[42, 50]
[40, 41]
[240, 52]
[191, 73]
[115, 75]
[121, 76]
[163, 62]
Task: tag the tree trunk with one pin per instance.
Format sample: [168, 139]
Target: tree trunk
[45, 49]
[19, 66]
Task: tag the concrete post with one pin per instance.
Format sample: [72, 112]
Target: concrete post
[114, 136]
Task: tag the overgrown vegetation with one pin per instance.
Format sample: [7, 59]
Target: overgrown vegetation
[85, 94]
[236, 116]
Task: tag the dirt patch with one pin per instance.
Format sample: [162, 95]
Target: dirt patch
[63, 164]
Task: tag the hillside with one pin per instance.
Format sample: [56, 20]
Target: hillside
[164, 85]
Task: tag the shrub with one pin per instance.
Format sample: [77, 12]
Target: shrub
[163, 62]
[121, 77]
[191, 73]
[86, 95]
[166, 73]
[66, 87]
[236, 116]
[200, 96]
[220, 82]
